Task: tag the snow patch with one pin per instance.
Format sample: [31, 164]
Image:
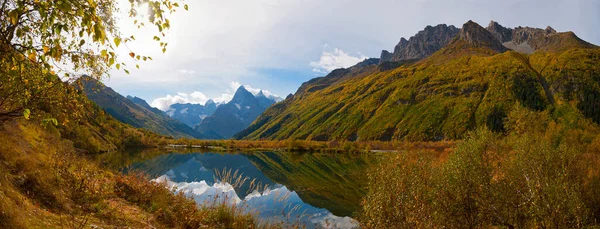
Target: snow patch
[170, 112]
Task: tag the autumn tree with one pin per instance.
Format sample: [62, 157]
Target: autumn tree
[40, 38]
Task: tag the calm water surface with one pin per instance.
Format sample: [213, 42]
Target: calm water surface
[313, 189]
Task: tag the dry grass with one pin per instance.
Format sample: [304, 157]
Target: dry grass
[46, 182]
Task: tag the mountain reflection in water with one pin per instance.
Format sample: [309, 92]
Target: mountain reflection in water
[316, 190]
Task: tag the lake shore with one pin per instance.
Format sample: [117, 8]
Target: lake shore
[310, 146]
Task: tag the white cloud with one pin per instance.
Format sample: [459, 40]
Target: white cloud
[330, 61]
[187, 72]
[223, 98]
[230, 40]
[164, 102]
[234, 85]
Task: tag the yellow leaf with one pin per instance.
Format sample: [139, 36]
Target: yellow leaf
[46, 49]
[14, 17]
[26, 113]
[32, 56]
[117, 41]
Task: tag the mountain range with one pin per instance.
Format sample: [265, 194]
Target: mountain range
[440, 84]
[209, 121]
[191, 114]
[236, 115]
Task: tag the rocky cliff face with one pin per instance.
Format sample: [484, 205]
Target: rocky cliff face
[476, 35]
[520, 39]
[525, 39]
[422, 44]
[500, 32]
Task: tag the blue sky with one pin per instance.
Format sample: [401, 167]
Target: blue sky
[276, 45]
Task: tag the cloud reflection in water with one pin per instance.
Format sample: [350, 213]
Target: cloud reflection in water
[273, 205]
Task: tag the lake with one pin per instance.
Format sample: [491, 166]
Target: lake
[313, 189]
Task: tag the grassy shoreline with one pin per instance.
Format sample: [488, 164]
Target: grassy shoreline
[309, 146]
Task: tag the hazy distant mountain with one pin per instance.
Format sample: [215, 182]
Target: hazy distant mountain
[191, 114]
[144, 104]
[235, 115]
[461, 79]
[134, 111]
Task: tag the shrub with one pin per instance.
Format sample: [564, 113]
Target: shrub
[535, 179]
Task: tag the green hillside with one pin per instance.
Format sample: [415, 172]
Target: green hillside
[470, 83]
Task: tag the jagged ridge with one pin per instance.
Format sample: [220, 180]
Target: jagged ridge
[422, 44]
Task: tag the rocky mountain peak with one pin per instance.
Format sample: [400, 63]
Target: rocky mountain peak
[237, 114]
[476, 35]
[260, 94]
[500, 32]
[242, 95]
[210, 102]
[550, 30]
[403, 42]
[421, 45]
[386, 55]
[521, 39]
